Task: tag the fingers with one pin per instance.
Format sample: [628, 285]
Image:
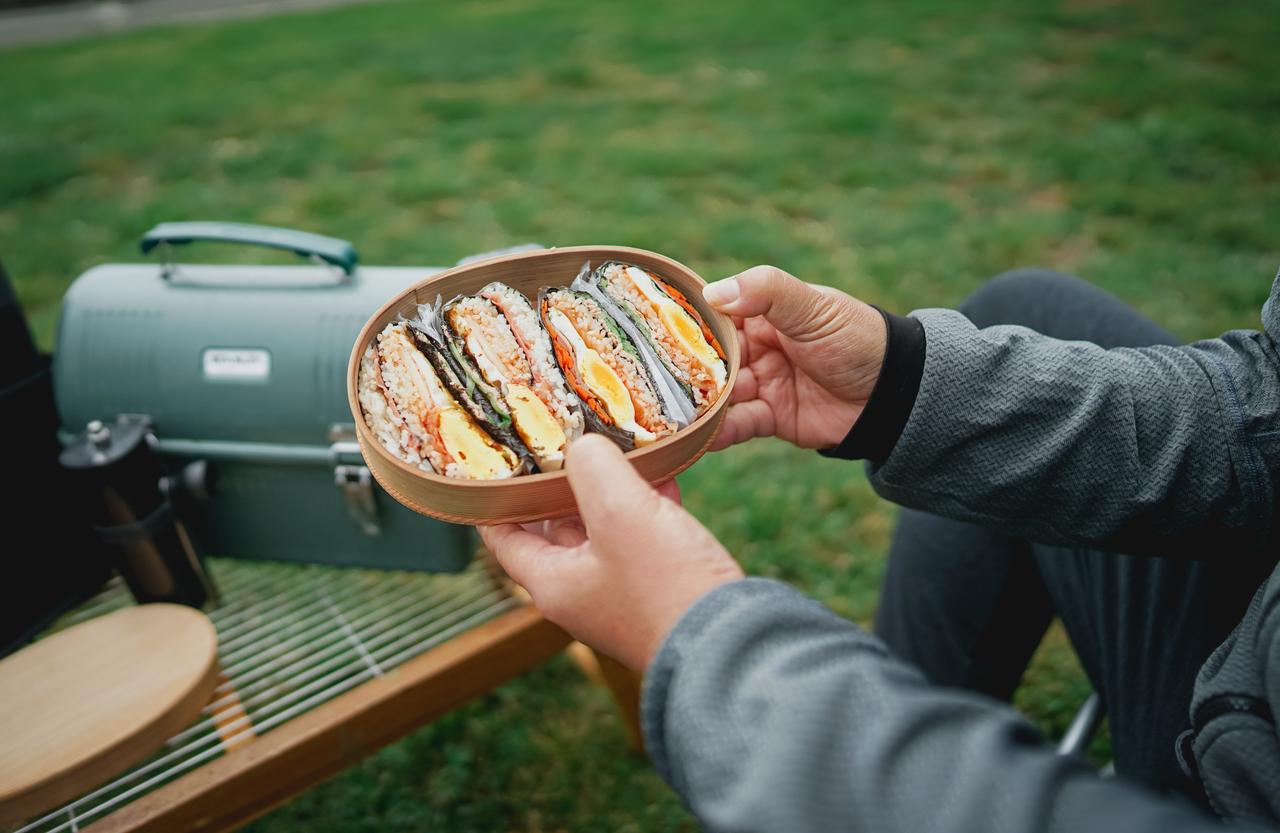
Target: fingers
[723, 440]
[794, 307]
[746, 388]
[671, 491]
[614, 501]
[745, 421]
[565, 532]
[743, 343]
[520, 552]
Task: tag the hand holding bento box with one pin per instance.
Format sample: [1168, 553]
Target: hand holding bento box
[811, 360]
[517, 383]
[453, 401]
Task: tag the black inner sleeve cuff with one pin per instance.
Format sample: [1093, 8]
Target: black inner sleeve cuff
[878, 428]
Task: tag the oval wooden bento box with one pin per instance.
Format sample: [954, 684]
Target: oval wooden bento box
[531, 497]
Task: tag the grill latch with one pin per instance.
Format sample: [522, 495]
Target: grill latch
[352, 476]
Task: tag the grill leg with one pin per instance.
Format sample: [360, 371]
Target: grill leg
[1083, 727]
[623, 684]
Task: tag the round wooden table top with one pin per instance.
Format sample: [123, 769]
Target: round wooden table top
[88, 702]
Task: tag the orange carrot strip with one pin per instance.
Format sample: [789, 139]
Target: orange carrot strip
[565, 357]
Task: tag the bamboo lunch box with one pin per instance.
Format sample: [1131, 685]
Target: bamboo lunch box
[531, 497]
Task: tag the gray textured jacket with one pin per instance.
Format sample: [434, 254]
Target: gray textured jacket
[767, 712]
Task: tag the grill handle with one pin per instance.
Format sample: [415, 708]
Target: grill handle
[331, 250]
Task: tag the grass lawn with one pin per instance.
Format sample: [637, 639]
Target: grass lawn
[904, 152]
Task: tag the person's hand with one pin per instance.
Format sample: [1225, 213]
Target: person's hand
[811, 356]
[618, 576]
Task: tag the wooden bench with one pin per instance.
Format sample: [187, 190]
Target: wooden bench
[323, 666]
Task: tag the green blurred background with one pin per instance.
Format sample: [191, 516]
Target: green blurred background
[902, 151]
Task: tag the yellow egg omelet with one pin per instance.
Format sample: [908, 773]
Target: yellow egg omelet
[538, 428]
[474, 451]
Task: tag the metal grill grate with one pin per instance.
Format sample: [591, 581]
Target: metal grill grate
[290, 637]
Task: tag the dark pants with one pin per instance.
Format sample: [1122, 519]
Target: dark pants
[969, 605]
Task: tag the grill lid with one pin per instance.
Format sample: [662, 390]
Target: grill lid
[226, 353]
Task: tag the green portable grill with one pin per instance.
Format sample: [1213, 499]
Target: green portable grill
[238, 374]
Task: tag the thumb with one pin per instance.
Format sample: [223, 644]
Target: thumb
[615, 503]
[795, 308]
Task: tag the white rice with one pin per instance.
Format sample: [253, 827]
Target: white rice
[386, 423]
[410, 384]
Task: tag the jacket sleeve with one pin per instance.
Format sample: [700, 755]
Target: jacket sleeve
[767, 712]
[1141, 450]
